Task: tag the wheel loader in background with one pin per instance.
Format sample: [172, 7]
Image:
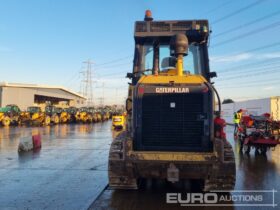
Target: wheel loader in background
[52, 112]
[35, 116]
[10, 115]
[83, 115]
[98, 115]
[64, 116]
[94, 114]
[109, 111]
[105, 115]
[4, 118]
[173, 132]
[72, 112]
[118, 122]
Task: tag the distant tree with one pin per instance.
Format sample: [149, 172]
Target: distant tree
[227, 101]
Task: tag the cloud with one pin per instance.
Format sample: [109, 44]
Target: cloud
[231, 58]
[268, 55]
[269, 88]
[235, 58]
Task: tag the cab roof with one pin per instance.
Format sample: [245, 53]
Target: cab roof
[195, 30]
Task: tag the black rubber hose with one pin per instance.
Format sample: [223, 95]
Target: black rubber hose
[219, 100]
[217, 94]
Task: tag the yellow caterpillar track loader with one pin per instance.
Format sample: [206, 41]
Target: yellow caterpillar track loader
[173, 132]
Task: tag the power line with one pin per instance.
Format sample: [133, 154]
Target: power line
[247, 51]
[250, 64]
[218, 7]
[224, 70]
[247, 24]
[263, 47]
[115, 73]
[251, 82]
[255, 49]
[114, 61]
[271, 71]
[252, 69]
[249, 86]
[113, 66]
[237, 11]
[267, 62]
[74, 77]
[253, 32]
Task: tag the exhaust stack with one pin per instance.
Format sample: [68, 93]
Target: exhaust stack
[179, 48]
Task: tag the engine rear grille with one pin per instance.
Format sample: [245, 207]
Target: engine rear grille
[167, 127]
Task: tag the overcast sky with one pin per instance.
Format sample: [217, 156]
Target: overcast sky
[46, 42]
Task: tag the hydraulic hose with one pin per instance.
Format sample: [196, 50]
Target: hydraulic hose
[219, 100]
[217, 94]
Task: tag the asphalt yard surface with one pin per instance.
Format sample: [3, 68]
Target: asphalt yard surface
[70, 172]
[257, 176]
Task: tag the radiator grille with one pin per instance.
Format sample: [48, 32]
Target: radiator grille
[164, 126]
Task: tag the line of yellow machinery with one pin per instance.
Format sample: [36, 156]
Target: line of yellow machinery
[12, 115]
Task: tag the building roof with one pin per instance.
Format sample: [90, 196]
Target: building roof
[21, 85]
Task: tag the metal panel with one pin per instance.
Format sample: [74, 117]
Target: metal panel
[172, 121]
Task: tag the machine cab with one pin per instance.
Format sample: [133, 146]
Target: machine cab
[154, 55]
[172, 98]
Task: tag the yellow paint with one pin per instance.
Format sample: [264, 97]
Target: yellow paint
[35, 116]
[172, 156]
[275, 107]
[162, 79]
[179, 66]
[118, 121]
[99, 117]
[1, 116]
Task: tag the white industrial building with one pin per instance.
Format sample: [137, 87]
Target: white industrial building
[25, 95]
[255, 107]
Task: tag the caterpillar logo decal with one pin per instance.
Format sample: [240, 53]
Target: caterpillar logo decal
[172, 90]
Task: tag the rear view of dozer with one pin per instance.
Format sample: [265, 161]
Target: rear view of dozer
[173, 131]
